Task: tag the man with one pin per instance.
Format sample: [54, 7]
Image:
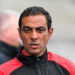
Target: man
[9, 38]
[35, 30]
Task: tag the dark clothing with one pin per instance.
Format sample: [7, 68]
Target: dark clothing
[47, 64]
[7, 52]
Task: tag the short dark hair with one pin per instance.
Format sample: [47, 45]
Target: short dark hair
[35, 11]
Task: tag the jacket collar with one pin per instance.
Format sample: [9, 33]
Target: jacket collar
[32, 59]
[8, 49]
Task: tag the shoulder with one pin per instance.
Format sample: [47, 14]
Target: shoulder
[4, 57]
[10, 66]
[67, 64]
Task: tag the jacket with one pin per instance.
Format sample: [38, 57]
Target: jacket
[7, 52]
[47, 64]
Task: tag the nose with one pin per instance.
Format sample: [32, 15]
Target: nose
[34, 35]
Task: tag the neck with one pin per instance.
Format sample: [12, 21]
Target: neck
[37, 55]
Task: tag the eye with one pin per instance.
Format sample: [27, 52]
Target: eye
[27, 30]
[41, 29]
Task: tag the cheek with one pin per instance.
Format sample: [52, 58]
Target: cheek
[24, 39]
[44, 39]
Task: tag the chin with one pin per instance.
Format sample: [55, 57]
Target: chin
[35, 53]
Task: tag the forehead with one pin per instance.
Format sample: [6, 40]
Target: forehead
[34, 21]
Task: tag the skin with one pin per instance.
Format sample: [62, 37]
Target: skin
[34, 34]
[9, 33]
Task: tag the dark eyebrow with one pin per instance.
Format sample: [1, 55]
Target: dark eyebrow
[41, 27]
[37, 28]
[26, 27]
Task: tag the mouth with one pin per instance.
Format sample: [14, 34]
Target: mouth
[34, 46]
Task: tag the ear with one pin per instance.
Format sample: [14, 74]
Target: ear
[50, 33]
[19, 31]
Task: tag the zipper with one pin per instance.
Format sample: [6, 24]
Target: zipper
[37, 67]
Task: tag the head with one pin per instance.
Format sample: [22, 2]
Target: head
[9, 28]
[35, 30]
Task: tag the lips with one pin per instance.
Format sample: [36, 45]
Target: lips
[34, 46]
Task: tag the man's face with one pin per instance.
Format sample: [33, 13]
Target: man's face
[34, 34]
